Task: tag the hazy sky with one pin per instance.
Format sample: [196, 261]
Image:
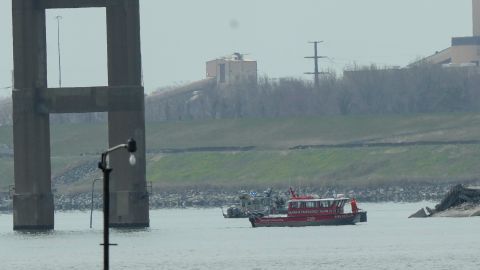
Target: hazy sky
[179, 36]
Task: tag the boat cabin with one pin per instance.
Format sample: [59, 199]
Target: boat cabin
[252, 202]
[310, 206]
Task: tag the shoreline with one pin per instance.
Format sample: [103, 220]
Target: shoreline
[213, 198]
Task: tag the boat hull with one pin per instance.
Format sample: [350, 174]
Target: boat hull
[320, 220]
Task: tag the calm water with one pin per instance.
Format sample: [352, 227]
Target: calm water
[203, 239]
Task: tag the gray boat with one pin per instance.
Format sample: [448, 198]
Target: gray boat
[258, 204]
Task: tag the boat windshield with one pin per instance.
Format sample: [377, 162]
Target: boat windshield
[317, 203]
[294, 205]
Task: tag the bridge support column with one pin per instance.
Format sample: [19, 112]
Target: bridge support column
[33, 101]
[129, 198]
[32, 200]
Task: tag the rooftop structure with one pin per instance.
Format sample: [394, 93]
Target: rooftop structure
[465, 51]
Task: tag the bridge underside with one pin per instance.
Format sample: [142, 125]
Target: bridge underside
[33, 101]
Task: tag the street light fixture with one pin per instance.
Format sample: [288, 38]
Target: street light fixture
[131, 147]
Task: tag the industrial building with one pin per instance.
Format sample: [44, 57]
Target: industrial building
[232, 69]
[464, 51]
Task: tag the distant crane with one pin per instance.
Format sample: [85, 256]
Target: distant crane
[315, 58]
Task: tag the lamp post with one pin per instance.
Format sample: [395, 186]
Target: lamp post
[58, 49]
[131, 147]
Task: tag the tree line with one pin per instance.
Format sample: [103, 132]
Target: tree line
[421, 88]
[365, 90]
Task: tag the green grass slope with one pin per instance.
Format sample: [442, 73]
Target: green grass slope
[352, 167]
[272, 162]
[282, 133]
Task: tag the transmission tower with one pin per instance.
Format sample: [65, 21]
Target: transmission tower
[316, 73]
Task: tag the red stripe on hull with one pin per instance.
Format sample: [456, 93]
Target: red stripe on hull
[334, 219]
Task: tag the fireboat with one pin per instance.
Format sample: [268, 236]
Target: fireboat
[312, 211]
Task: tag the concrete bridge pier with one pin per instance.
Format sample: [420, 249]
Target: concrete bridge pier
[129, 196]
[128, 192]
[33, 199]
[33, 101]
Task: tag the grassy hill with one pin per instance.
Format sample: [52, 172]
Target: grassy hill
[283, 133]
[352, 167]
[272, 162]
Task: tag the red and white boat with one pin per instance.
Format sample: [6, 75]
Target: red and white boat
[311, 211]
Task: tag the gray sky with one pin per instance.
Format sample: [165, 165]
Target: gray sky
[179, 36]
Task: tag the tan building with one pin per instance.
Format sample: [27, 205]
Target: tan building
[476, 17]
[232, 69]
[465, 51]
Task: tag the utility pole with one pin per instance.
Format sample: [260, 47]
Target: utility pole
[58, 48]
[315, 58]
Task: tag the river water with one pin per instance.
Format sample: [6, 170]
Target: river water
[203, 239]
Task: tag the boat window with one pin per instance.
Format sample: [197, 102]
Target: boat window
[303, 204]
[311, 204]
[293, 204]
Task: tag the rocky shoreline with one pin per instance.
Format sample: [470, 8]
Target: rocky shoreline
[218, 198]
[460, 201]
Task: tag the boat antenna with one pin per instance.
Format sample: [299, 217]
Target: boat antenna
[292, 192]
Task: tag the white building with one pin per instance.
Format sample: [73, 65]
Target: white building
[233, 69]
